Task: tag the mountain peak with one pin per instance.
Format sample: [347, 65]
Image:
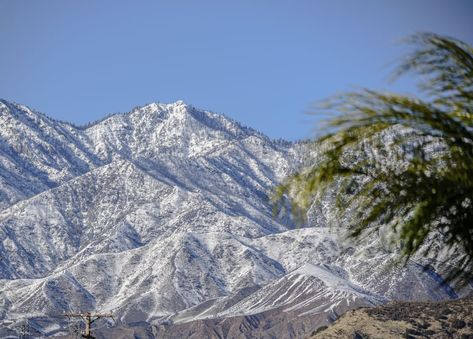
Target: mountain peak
[162, 214]
[179, 103]
[158, 106]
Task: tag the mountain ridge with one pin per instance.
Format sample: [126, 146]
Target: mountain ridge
[169, 224]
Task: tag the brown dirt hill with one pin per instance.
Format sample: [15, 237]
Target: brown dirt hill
[447, 319]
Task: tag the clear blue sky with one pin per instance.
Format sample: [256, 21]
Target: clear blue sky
[260, 62]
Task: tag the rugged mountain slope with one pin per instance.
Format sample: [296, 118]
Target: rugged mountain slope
[37, 153]
[161, 215]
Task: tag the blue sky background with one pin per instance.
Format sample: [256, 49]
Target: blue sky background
[263, 63]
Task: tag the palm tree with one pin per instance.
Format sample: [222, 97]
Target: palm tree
[404, 162]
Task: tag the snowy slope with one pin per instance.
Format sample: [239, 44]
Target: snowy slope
[37, 153]
[162, 215]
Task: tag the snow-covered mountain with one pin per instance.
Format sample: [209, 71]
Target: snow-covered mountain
[162, 216]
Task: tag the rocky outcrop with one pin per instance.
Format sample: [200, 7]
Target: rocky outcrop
[446, 319]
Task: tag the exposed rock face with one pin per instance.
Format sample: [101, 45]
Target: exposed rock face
[162, 216]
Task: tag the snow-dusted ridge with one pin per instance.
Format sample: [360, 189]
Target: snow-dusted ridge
[162, 215]
[197, 112]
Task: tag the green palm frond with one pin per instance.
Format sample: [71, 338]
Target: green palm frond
[420, 181]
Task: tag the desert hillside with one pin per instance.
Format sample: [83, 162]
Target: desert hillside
[447, 319]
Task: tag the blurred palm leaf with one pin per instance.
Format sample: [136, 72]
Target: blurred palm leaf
[405, 162]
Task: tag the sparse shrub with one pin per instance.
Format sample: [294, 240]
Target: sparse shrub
[320, 329]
